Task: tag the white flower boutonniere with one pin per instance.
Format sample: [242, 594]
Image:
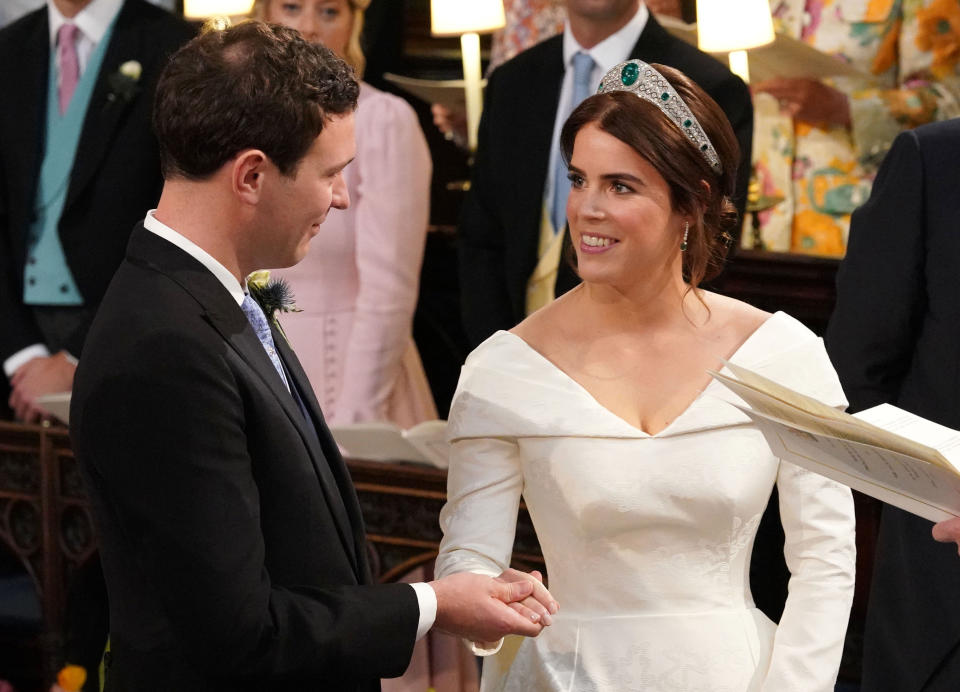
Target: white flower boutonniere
[124, 82]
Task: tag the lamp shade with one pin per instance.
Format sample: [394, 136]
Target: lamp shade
[729, 25]
[456, 17]
[201, 9]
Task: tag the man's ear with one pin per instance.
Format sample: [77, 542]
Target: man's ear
[248, 172]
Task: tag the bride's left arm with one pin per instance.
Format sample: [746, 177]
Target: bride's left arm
[818, 522]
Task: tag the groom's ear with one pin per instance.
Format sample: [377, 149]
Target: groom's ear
[249, 171]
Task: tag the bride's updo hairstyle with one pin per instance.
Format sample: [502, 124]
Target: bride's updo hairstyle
[675, 126]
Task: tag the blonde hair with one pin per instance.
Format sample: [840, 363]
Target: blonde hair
[354, 52]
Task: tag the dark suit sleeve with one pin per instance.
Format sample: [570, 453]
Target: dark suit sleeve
[484, 300]
[880, 292]
[186, 505]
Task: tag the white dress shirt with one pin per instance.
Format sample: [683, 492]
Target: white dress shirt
[93, 22]
[609, 52]
[426, 598]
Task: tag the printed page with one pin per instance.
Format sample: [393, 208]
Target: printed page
[905, 424]
[912, 484]
[768, 397]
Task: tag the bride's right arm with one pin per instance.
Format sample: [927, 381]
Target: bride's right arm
[484, 483]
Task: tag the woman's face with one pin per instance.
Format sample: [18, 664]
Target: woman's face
[622, 222]
[319, 21]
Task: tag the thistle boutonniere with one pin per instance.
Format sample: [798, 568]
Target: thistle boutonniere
[272, 296]
[124, 82]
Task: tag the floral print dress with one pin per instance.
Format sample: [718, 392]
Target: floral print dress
[909, 52]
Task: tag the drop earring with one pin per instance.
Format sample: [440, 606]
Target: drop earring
[686, 232]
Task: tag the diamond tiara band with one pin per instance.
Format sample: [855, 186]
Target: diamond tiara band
[641, 79]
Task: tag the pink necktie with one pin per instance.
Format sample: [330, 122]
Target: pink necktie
[69, 64]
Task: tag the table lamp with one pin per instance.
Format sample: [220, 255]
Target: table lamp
[216, 11]
[734, 26]
[467, 19]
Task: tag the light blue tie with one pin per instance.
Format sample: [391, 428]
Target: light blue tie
[259, 323]
[582, 69]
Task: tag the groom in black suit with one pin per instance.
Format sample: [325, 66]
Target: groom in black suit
[115, 175]
[232, 541]
[500, 231]
[894, 337]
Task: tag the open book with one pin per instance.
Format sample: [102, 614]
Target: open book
[425, 443]
[885, 452]
[448, 92]
[57, 405]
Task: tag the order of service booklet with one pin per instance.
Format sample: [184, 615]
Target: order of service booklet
[885, 452]
[425, 443]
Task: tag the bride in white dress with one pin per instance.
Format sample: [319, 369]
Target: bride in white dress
[645, 484]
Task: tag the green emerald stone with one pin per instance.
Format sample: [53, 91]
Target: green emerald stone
[688, 122]
[665, 96]
[629, 74]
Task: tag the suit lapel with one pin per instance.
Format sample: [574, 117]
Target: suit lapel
[329, 451]
[228, 319]
[653, 44]
[539, 106]
[104, 114]
[233, 326]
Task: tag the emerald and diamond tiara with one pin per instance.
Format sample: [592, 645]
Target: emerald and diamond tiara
[641, 79]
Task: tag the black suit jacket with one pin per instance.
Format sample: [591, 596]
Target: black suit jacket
[231, 537]
[500, 222]
[895, 337]
[116, 172]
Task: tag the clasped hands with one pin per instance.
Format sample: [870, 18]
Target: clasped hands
[486, 609]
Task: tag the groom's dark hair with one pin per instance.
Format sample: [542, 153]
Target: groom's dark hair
[250, 86]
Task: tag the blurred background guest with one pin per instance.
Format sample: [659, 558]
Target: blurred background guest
[77, 168]
[528, 22]
[358, 285]
[818, 144]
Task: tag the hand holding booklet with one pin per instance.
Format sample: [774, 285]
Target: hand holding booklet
[885, 452]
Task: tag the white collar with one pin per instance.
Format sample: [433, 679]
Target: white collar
[612, 50]
[93, 20]
[229, 281]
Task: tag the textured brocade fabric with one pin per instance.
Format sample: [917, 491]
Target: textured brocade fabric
[647, 539]
[909, 54]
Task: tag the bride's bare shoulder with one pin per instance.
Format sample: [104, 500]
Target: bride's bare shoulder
[736, 315]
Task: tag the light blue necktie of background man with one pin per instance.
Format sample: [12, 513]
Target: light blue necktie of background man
[582, 69]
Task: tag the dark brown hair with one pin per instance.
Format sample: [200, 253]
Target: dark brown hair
[644, 127]
[250, 86]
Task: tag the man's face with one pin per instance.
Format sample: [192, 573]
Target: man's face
[603, 10]
[292, 208]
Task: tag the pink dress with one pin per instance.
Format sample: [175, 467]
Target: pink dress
[358, 284]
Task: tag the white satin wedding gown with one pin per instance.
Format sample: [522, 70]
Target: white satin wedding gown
[647, 538]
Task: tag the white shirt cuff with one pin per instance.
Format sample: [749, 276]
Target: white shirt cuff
[13, 363]
[427, 600]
